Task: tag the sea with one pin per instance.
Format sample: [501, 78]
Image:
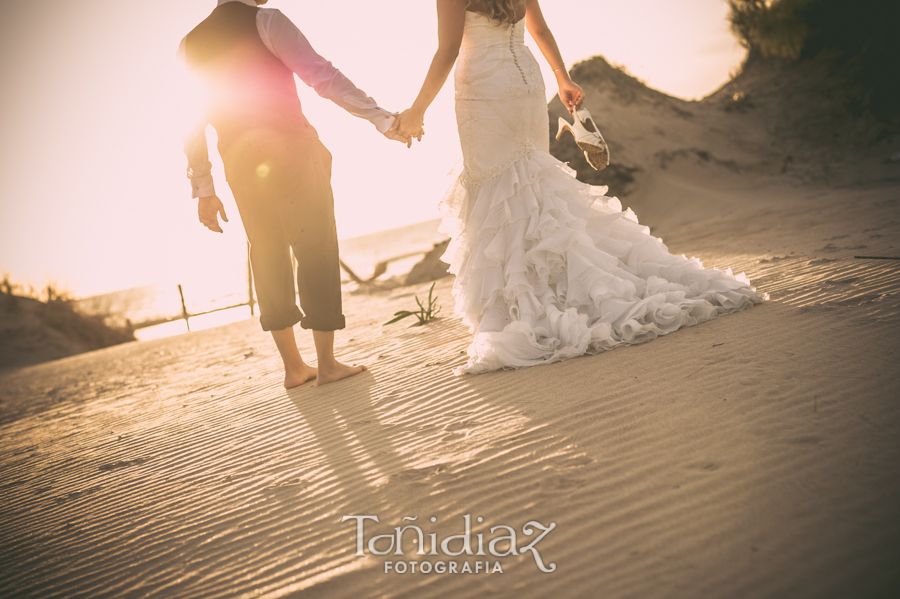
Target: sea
[157, 309]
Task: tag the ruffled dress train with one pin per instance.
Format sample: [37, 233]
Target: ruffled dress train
[547, 267]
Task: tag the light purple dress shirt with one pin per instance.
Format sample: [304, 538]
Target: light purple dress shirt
[286, 42]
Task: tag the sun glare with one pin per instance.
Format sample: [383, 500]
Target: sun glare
[115, 143]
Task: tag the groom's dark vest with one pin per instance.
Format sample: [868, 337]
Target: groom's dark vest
[250, 90]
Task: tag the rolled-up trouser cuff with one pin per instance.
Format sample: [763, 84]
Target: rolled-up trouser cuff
[282, 187]
[326, 322]
[281, 321]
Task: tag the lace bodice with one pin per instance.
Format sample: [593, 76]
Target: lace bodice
[494, 62]
[501, 100]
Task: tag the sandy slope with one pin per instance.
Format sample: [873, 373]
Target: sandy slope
[755, 455]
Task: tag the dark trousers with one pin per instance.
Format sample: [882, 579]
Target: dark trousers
[282, 187]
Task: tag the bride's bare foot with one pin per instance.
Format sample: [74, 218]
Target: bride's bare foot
[337, 372]
[297, 377]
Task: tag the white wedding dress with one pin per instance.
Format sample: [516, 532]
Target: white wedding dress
[548, 268]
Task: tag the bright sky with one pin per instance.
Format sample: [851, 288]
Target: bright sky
[92, 184]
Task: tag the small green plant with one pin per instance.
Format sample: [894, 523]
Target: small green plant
[424, 314]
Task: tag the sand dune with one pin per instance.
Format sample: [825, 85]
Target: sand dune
[754, 455]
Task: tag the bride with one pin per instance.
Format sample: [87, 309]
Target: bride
[547, 268]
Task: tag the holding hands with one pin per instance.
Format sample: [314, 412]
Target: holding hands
[410, 124]
[404, 129]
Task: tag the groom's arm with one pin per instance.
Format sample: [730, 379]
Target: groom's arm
[199, 169]
[285, 41]
[209, 207]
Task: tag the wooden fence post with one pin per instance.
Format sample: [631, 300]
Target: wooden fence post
[184, 312]
[251, 301]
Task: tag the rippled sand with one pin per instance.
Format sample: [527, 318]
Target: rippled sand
[755, 455]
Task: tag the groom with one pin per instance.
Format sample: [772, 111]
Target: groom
[278, 170]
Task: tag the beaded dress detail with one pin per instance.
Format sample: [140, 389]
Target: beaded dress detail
[547, 267]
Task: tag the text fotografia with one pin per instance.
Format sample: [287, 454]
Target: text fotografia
[503, 544]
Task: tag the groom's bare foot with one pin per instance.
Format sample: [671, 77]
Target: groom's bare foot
[295, 378]
[337, 372]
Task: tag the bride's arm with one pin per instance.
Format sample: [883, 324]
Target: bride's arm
[570, 92]
[451, 23]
